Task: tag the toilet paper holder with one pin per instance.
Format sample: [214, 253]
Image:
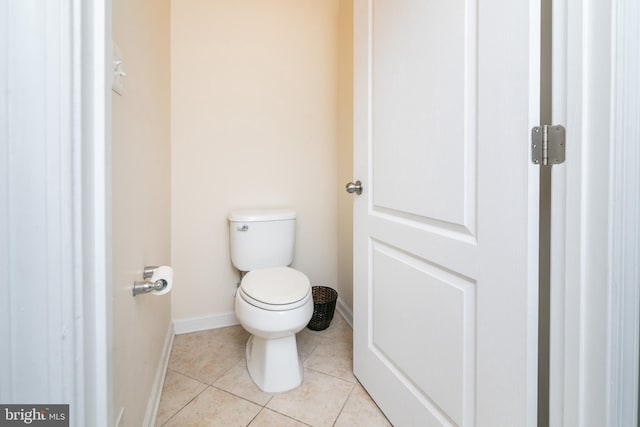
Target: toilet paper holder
[146, 285]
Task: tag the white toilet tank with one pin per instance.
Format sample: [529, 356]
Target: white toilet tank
[262, 238]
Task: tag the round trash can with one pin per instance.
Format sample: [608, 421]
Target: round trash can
[324, 304]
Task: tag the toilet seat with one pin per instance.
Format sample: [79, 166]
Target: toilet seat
[279, 288]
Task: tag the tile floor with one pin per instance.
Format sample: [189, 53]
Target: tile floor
[207, 384]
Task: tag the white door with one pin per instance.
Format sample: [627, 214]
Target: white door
[446, 229]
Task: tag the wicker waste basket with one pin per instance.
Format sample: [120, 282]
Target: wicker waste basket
[324, 304]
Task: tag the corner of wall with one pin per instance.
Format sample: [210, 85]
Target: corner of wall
[156, 390]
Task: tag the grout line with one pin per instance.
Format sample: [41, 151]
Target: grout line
[185, 405]
[344, 404]
[332, 376]
[288, 416]
[256, 416]
[244, 398]
[225, 372]
[186, 375]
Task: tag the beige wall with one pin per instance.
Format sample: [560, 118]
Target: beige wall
[345, 154]
[254, 123]
[141, 200]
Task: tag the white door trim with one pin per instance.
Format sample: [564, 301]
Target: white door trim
[595, 215]
[54, 251]
[624, 233]
[92, 106]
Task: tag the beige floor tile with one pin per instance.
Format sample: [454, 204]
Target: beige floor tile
[213, 408]
[317, 401]
[177, 391]
[327, 395]
[238, 381]
[360, 410]
[206, 355]
[338, 330]
[333, 358]
[267, 418]
[307, 342]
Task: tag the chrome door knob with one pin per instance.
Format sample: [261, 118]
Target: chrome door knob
[354, 187]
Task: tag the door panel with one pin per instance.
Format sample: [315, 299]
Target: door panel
[424, 96]
[444, 320]
[445, 232]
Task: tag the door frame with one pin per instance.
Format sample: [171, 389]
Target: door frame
[624, 239]
[66, 326]
[596, 215]
[92, 53]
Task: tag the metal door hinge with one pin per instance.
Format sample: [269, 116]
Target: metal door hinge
[548, 145]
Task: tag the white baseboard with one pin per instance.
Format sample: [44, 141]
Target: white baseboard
[156, 390]
[195, 324]
[345, 312]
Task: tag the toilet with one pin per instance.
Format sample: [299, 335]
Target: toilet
[273, 301]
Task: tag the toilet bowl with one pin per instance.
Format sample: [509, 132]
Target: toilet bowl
[273, 304]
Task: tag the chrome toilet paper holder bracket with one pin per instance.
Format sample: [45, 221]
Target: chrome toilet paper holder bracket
[148, 271]
[146, 286]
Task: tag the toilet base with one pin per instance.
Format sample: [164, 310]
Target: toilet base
[274, 364]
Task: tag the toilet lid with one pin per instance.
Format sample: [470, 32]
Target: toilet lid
[279, 285]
